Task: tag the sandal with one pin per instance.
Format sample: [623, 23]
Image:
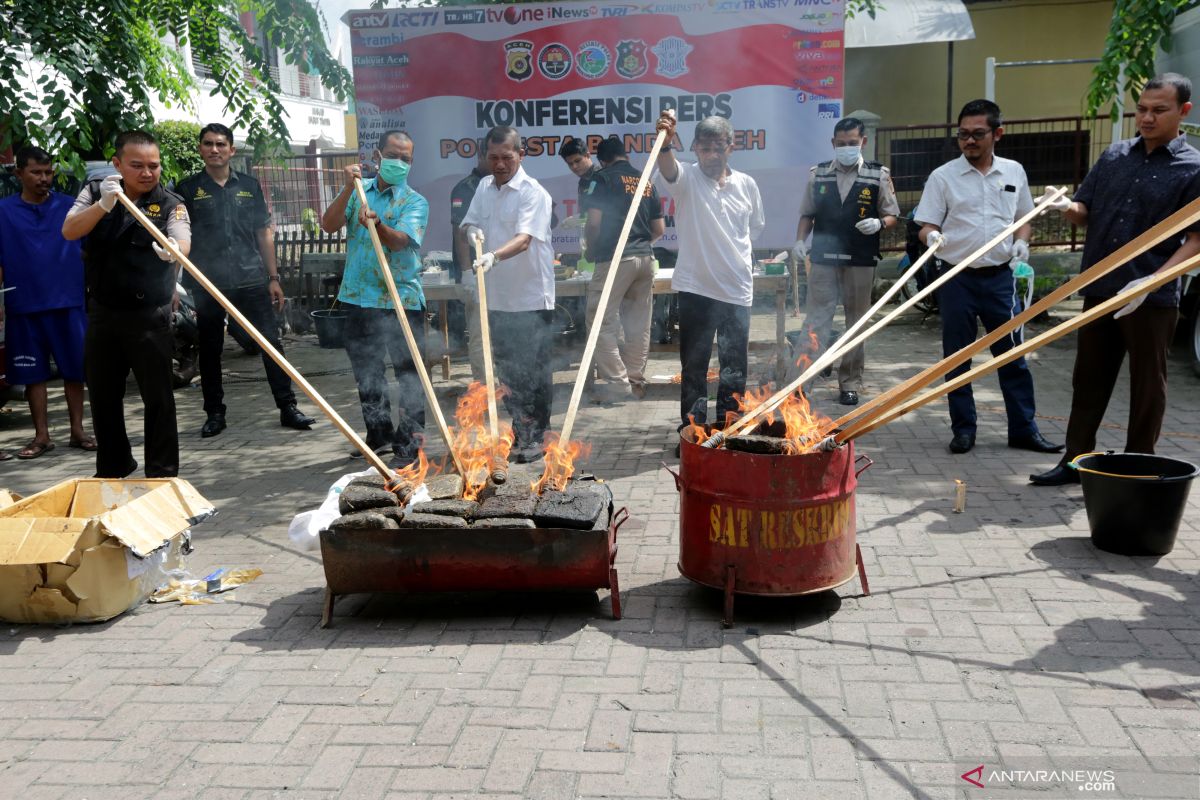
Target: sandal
[5, 455]
[86, 443]
[34, 449]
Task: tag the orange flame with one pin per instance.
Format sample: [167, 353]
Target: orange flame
[560, 463]
[414, 474]
[710, 377]
[698, 430]
[477, 451]
[802, 425]
[806, 358]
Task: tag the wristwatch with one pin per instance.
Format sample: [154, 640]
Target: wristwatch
[273, 278]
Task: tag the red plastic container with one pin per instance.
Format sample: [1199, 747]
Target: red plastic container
[767, 524]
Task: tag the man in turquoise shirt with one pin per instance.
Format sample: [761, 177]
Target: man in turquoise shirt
[400, 216]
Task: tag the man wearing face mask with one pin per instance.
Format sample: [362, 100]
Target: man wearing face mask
[718, 214]
[847, 203]
[400, 216]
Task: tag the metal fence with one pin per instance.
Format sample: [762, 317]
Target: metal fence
[300, 187]
[1054, 151]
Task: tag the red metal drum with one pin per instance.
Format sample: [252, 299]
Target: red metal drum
[767, 524]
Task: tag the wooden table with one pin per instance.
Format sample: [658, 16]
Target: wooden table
[443, 294]
[314, 267]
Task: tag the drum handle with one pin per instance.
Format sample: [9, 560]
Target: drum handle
[675, 475]
[865, 467]
[1073, 464]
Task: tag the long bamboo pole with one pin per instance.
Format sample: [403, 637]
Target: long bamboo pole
[1057, 332]
[1171, 226]
[414, 351]
[499, 470]
[589, 350]
[372, 458]
[748, 420]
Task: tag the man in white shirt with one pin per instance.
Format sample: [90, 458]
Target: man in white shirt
[964, 205]
[512, 212]
[718, 212]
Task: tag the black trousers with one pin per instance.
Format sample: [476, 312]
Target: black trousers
[699, 319]
[1146, 336]
[119, 341]
[255, 303]
[522, 343]
[369, 333]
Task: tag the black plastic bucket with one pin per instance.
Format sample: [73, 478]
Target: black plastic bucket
[1131, 515]
[329, 323]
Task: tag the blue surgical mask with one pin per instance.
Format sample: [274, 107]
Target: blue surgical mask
[847, 156]
[393, 170]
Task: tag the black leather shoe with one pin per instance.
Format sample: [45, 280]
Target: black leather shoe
[292, 417]
[962, 443]
[212, 426]
[1059, 476]
[1035, 442]
[848, 398]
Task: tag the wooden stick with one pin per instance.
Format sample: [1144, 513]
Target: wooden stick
[777, 399]
[372, 458]
[1171, 226]
[489, 376]
[414, 351]
[614, 264]
[1057, 332]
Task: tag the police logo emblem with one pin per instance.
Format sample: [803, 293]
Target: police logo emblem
[153, 208]
[631, 58]
[672, 53]
[592, 60]
[865, 194]
[201, 194]
[518, 60]
[554, 61]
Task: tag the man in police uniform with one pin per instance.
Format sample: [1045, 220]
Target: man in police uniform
[460, 201]
[575, 153]
[131, 291]
[372, 329]
[965, 204]
[847, 203]
[236, 250]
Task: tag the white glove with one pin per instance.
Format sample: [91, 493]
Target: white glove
[164, 253]
[485, 262]
[935, 240]
[110, 187]
[868, 226]
[1132, 305]
[1061, 204]
[800, 250]
[474, 232]
[1020, 250]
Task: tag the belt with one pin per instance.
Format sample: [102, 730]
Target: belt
[982, 272]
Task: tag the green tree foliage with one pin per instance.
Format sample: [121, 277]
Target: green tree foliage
[178, 143]
[74, 73]
[1139, 29]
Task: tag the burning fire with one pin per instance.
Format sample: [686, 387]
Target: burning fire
[414, 474]
[802, 425]
[560, 463]
[473, 442]
[710, 377]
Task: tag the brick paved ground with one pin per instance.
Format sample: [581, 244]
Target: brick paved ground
[997, 635]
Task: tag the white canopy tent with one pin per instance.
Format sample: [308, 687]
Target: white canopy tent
[900, 22]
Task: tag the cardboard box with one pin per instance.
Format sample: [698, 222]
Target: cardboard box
[89, 549]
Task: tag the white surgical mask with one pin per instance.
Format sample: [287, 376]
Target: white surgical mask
[847, 156]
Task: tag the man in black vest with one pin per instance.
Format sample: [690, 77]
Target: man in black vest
[847, 203]
[131, 292]
[235, 248]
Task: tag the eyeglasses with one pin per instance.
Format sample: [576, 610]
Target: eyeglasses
[977, 136]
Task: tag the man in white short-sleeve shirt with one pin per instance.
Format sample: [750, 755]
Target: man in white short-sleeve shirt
[512, 212]
[965, 204]
[718, 213]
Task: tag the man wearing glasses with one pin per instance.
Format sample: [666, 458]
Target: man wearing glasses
[965, 204]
